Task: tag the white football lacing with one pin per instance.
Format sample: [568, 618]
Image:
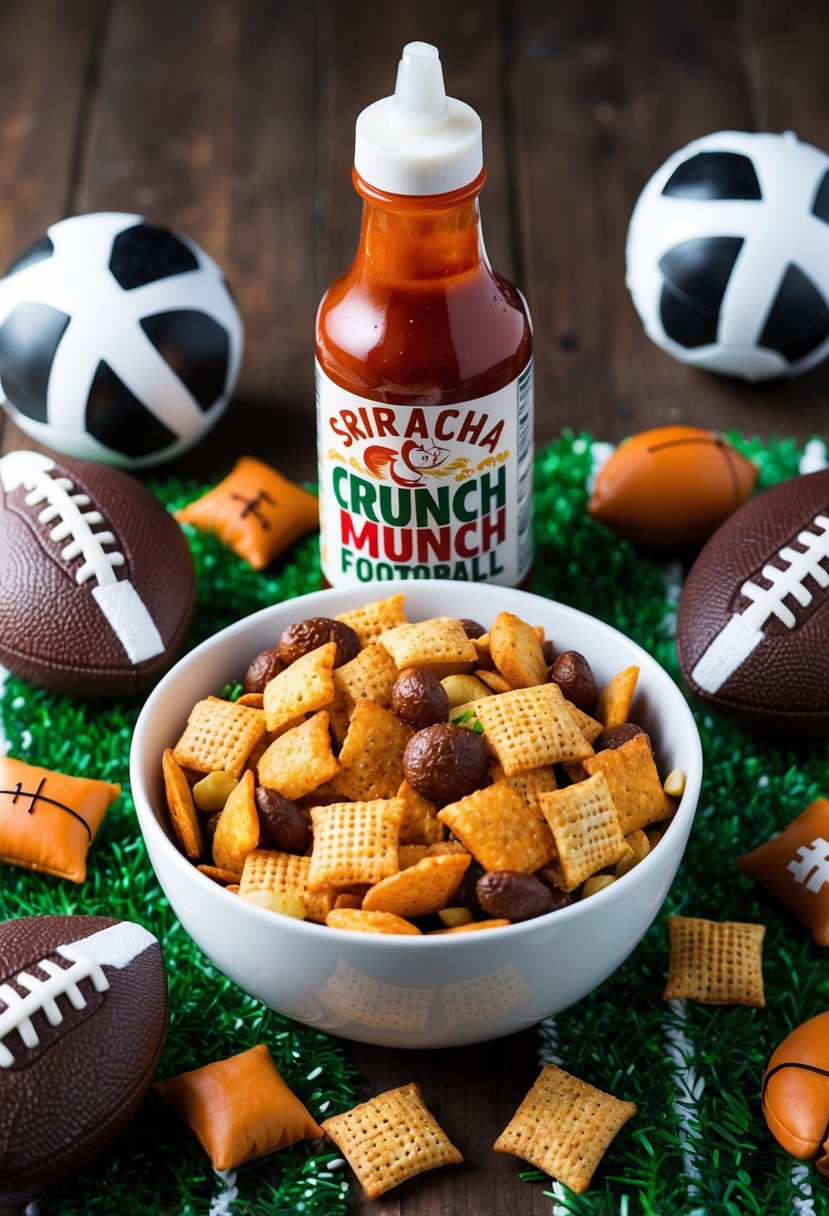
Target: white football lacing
[743, 632]
[76, 524]
[768, 601]
[42, 995]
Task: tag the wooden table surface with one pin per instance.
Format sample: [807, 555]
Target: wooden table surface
[233, 121]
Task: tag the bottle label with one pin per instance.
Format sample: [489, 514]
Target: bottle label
[425, 491]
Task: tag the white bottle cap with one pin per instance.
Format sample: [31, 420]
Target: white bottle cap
[419, 141]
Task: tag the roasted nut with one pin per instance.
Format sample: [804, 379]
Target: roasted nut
[574, 676]
[278, 901]
[418, 698]
[445, 762]
[212, 791]
[209, 828]
[513, 895]
[615, 736]
[596, 883]
[304, 636]
[466, 895]
[281, 822]
[452, 917]
[264, 667]
[472, 629]
[673, 785]
[463, 688]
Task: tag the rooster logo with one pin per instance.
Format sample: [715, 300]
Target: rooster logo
[406, 467]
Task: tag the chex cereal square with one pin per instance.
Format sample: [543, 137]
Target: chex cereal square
[500, 829]
[586, 829]
[219, 735]
[564, 1127]
[391, 1138]
[354, 842]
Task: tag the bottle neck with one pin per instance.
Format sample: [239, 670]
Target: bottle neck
[419, 237]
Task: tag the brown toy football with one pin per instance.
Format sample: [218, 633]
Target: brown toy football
[752, 628]
[83, 1020]
[796, 1092]
[671, 487]
[98, 586]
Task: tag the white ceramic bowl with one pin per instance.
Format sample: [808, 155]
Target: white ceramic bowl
[410, 991]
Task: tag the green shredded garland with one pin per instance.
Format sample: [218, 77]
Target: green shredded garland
[710, 1154]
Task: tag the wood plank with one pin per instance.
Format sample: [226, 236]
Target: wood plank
[41, 111]
[603, 96]
[205, 122]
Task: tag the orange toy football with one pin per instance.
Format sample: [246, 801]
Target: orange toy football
[671, 487]
[796, 1092]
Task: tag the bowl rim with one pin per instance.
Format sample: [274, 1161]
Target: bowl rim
[149, 821]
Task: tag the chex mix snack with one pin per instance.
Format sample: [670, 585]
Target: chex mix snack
[416, 777]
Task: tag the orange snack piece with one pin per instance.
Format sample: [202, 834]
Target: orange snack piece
[255, 511]
[791, 866]
[48, 820]
[239, 1108]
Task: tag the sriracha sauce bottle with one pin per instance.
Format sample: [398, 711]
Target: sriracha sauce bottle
[423, 361]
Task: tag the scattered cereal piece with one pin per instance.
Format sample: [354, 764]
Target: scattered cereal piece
[371, 675]
[715, 962]
[183, 815]
[239, 1108]
[564, 1127]
[589, 727]
[420, 823]
[253, 700]
[391, 1138]
[493, 680]
[411, 854]
[529, 784]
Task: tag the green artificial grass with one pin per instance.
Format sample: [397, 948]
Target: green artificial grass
[698, 1144]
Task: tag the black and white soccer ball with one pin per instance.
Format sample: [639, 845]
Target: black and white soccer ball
[119, 340]
[728, 255]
